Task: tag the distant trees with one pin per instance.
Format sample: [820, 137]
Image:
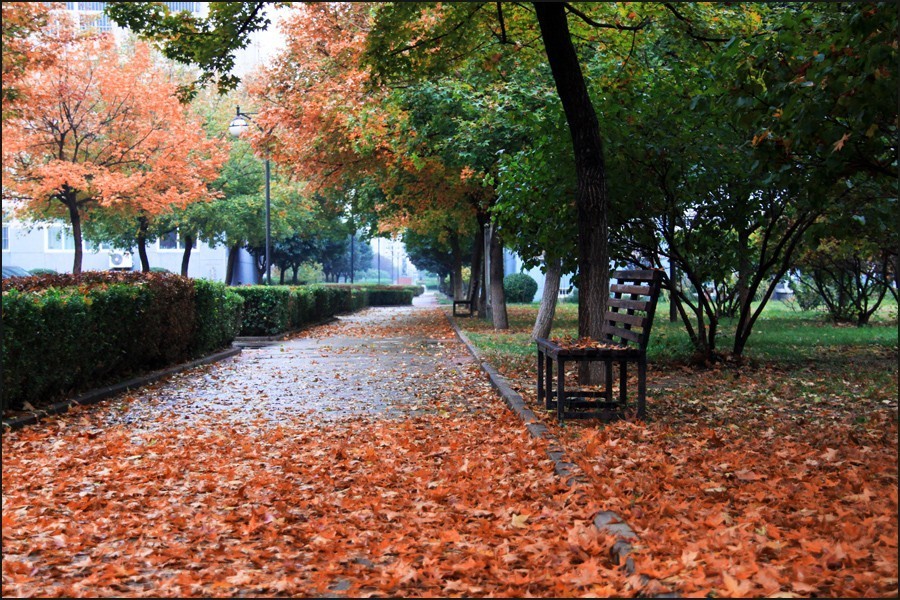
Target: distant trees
[103, 130]
[712, 140]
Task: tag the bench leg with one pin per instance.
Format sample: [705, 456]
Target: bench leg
[548, 377]
[540, 376]
[642, 388]
[560, 390]
[607, 393]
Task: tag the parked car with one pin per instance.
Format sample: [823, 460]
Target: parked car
[13, 271]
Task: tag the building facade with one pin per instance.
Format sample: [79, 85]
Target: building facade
[50, 245]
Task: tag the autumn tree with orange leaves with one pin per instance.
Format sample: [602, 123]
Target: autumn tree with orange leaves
[340, 132]
[24, 38]
[104, 129]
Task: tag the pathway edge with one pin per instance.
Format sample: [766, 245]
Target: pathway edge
[99, 394]
[605, 521]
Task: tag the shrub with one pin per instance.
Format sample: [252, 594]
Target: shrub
[63, 339]
[267, 309]
[519, 287]
[218, 316]
[390, 295]
[41, 271]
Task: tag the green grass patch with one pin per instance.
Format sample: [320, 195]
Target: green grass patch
[781, 335]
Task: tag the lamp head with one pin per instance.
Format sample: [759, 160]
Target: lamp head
[238, 126]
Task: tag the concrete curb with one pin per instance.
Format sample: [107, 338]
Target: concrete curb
[605, 521]
[99, 394]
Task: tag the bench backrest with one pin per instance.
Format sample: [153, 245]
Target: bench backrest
[630, 307]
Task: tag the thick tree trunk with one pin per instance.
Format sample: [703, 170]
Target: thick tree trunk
[142, 244]
[544, 322]
[229, 267]
[498, 295]
[186, 257]
[591, 199]
[281, 276]
[75, 218]
[294, 269]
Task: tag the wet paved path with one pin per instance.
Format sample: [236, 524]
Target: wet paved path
[367, 457]
[380, 362]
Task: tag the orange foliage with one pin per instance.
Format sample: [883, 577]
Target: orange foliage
[335, 127]
[105, 129]
[25, 48]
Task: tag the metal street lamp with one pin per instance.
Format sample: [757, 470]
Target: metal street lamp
[238, 126]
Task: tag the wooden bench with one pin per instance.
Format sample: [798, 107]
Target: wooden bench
[626, 331]
[467, 303]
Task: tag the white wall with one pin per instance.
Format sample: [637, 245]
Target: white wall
[32, 246]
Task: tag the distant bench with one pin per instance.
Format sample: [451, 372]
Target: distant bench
[458, 304]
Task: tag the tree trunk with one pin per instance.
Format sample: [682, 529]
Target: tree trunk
[229, 267]
[673, 309]
[456, 273]
[743, 287]
[75, 218]
[544, 322]
[294, 269]
[281, 276]
[186, 257]
[142, 244]
[482, 299]
[498, 296]
[591, 200]
[475, 277]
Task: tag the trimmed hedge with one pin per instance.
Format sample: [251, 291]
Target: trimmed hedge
[276, 309]
[519, 287]
[218, 316]
[63, 335]
[271, 310]
[390, 295]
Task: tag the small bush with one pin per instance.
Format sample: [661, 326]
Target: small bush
[218, 316]
[519, 287]
[390, 295]
[41, 271]
[267, 309]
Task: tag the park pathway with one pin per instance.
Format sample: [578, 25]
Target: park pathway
[382, 362]
[366, 457]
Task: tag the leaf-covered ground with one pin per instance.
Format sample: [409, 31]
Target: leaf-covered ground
[757, 482]
[776, 478]
[192, 488]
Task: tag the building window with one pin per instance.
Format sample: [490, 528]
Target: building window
[192, 7]
[5, 236]
[95, 247]
[173, 241]
[59, 237]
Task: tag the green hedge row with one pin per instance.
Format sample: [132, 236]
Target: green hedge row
[272, 310]
[63, 335]
[60, 340]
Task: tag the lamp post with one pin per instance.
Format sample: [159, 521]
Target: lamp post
[237, 127]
